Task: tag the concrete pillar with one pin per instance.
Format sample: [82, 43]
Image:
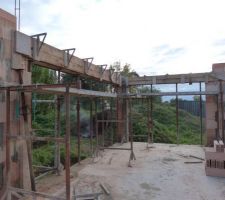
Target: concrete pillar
[9, 62]
[214, 119]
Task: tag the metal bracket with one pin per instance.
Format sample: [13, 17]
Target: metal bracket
[87, 64]
[102, 69]
[68, 54]
[38, 41]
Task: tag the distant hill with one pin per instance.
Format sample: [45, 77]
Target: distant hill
[164, 118]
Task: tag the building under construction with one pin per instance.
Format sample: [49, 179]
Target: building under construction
[124, 170]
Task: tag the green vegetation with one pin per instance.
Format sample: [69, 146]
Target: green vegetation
[164, 117]
[44, 155]
[164, 120]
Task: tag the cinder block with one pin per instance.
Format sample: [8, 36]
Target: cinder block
[211, 108]
[211, 134]
[210, 154]
[210, 99]
[221, 146]
[216, 146]
[214, 172]
[212, 87]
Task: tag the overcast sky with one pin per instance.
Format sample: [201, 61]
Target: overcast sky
[154, 36]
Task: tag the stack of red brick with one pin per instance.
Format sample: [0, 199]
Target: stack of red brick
[215, 160]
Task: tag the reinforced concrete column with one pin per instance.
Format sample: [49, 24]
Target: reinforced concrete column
[215, 107]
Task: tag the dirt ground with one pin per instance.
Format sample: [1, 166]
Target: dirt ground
[158, 173]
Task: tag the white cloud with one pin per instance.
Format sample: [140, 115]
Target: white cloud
[130, 30]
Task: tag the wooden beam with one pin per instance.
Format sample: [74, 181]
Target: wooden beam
[175, 78]
[53, 58]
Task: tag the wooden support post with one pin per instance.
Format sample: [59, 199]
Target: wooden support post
[67, 161]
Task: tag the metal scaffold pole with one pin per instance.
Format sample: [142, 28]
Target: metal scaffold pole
[177, 115]
[67, 137]
[200, 105]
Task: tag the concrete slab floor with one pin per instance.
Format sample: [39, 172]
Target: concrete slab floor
[158, 173]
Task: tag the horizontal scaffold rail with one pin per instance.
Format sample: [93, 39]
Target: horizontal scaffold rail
[176, 78]
[59, 89]
[114, 120]
[36, 138]
[143, 95]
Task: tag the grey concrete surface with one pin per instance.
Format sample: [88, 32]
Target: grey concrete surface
[159, 173]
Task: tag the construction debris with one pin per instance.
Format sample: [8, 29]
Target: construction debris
[106, 191]
[193, 162]
[191, 156]
[215, 160]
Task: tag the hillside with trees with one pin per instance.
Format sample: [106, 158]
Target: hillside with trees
[164, 117]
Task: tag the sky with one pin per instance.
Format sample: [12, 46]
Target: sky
[153, 36]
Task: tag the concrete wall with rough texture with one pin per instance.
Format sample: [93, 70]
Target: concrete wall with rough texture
[213, 107]
[19, 171]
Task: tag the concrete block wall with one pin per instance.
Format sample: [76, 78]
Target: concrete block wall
[19, 171]
[213, 106]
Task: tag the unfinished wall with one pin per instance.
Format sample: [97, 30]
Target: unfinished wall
[214, 108]
[9, 61]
